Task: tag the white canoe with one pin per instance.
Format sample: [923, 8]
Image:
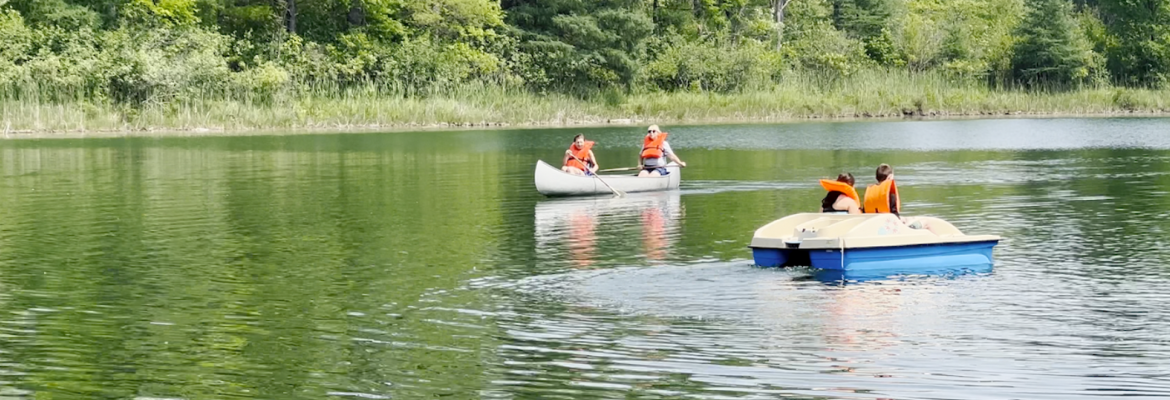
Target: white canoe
[551, 181]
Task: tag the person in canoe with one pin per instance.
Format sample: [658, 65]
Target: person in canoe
[882, 198]
[655, 151]
[842, 197]
[579, 158]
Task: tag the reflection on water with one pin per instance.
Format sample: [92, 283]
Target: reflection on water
[570, 226]
[424, 265]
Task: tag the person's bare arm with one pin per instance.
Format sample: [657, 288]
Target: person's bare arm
[853, 208]
[847, 203]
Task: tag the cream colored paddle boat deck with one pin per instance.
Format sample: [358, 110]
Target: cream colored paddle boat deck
[867, 242]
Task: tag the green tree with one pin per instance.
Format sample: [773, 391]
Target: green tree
[861, 18]
[1141, 56]
[57, 13]
[1052, 49]
[814, 44]
[869, 21]
[581, 46]
[967, 38]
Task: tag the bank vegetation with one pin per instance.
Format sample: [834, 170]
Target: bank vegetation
[115, 65]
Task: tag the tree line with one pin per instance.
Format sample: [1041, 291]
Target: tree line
[136, 51]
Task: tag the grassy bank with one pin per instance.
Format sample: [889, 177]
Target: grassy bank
[866, 95]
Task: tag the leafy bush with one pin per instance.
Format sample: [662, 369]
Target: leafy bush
[700, 66]
[161, 65]
[18, 43]
[828, 52]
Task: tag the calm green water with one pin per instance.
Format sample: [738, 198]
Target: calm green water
[421, 265]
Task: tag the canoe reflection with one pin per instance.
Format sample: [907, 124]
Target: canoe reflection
[604, 228]
[581, 229]
[654, 222]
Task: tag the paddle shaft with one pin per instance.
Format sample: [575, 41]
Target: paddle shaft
[615, 191]
[618, 169]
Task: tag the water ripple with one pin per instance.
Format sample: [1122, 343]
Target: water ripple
[421, 265]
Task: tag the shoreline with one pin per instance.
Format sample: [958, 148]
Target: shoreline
[172, 132]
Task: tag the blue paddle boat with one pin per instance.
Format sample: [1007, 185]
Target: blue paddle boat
[871, 243]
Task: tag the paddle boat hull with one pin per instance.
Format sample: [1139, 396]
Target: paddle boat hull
[838, 277]
[551, 181]
[870, 243]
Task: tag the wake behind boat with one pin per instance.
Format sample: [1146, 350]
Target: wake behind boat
[551, 181]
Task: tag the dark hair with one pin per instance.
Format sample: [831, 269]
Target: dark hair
[846, 177]
[579, 136]
[884, 171]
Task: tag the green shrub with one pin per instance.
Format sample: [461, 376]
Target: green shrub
[707, 67]
[161, 65]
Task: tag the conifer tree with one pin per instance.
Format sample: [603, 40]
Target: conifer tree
[1052, 50]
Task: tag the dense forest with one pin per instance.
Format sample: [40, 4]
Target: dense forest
[142, 52]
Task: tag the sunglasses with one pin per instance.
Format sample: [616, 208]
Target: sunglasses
[651, 131]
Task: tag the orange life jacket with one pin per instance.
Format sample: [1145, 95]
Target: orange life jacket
[581, 154]
[652, 148]
[877, 198]
[845, 188]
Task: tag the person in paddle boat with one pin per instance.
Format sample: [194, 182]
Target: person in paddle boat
[842, 197]
[579, 158]
[655, 151]
[882, 198]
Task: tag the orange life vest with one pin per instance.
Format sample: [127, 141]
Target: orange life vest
[834, 186]
[581, 154]
[652, 148]
[877, 198]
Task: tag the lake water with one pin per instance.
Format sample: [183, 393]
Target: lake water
[423, 265]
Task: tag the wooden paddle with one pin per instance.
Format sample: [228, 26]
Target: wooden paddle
[618, 169]
[616, 192]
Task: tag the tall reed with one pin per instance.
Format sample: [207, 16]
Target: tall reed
[29, 107]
